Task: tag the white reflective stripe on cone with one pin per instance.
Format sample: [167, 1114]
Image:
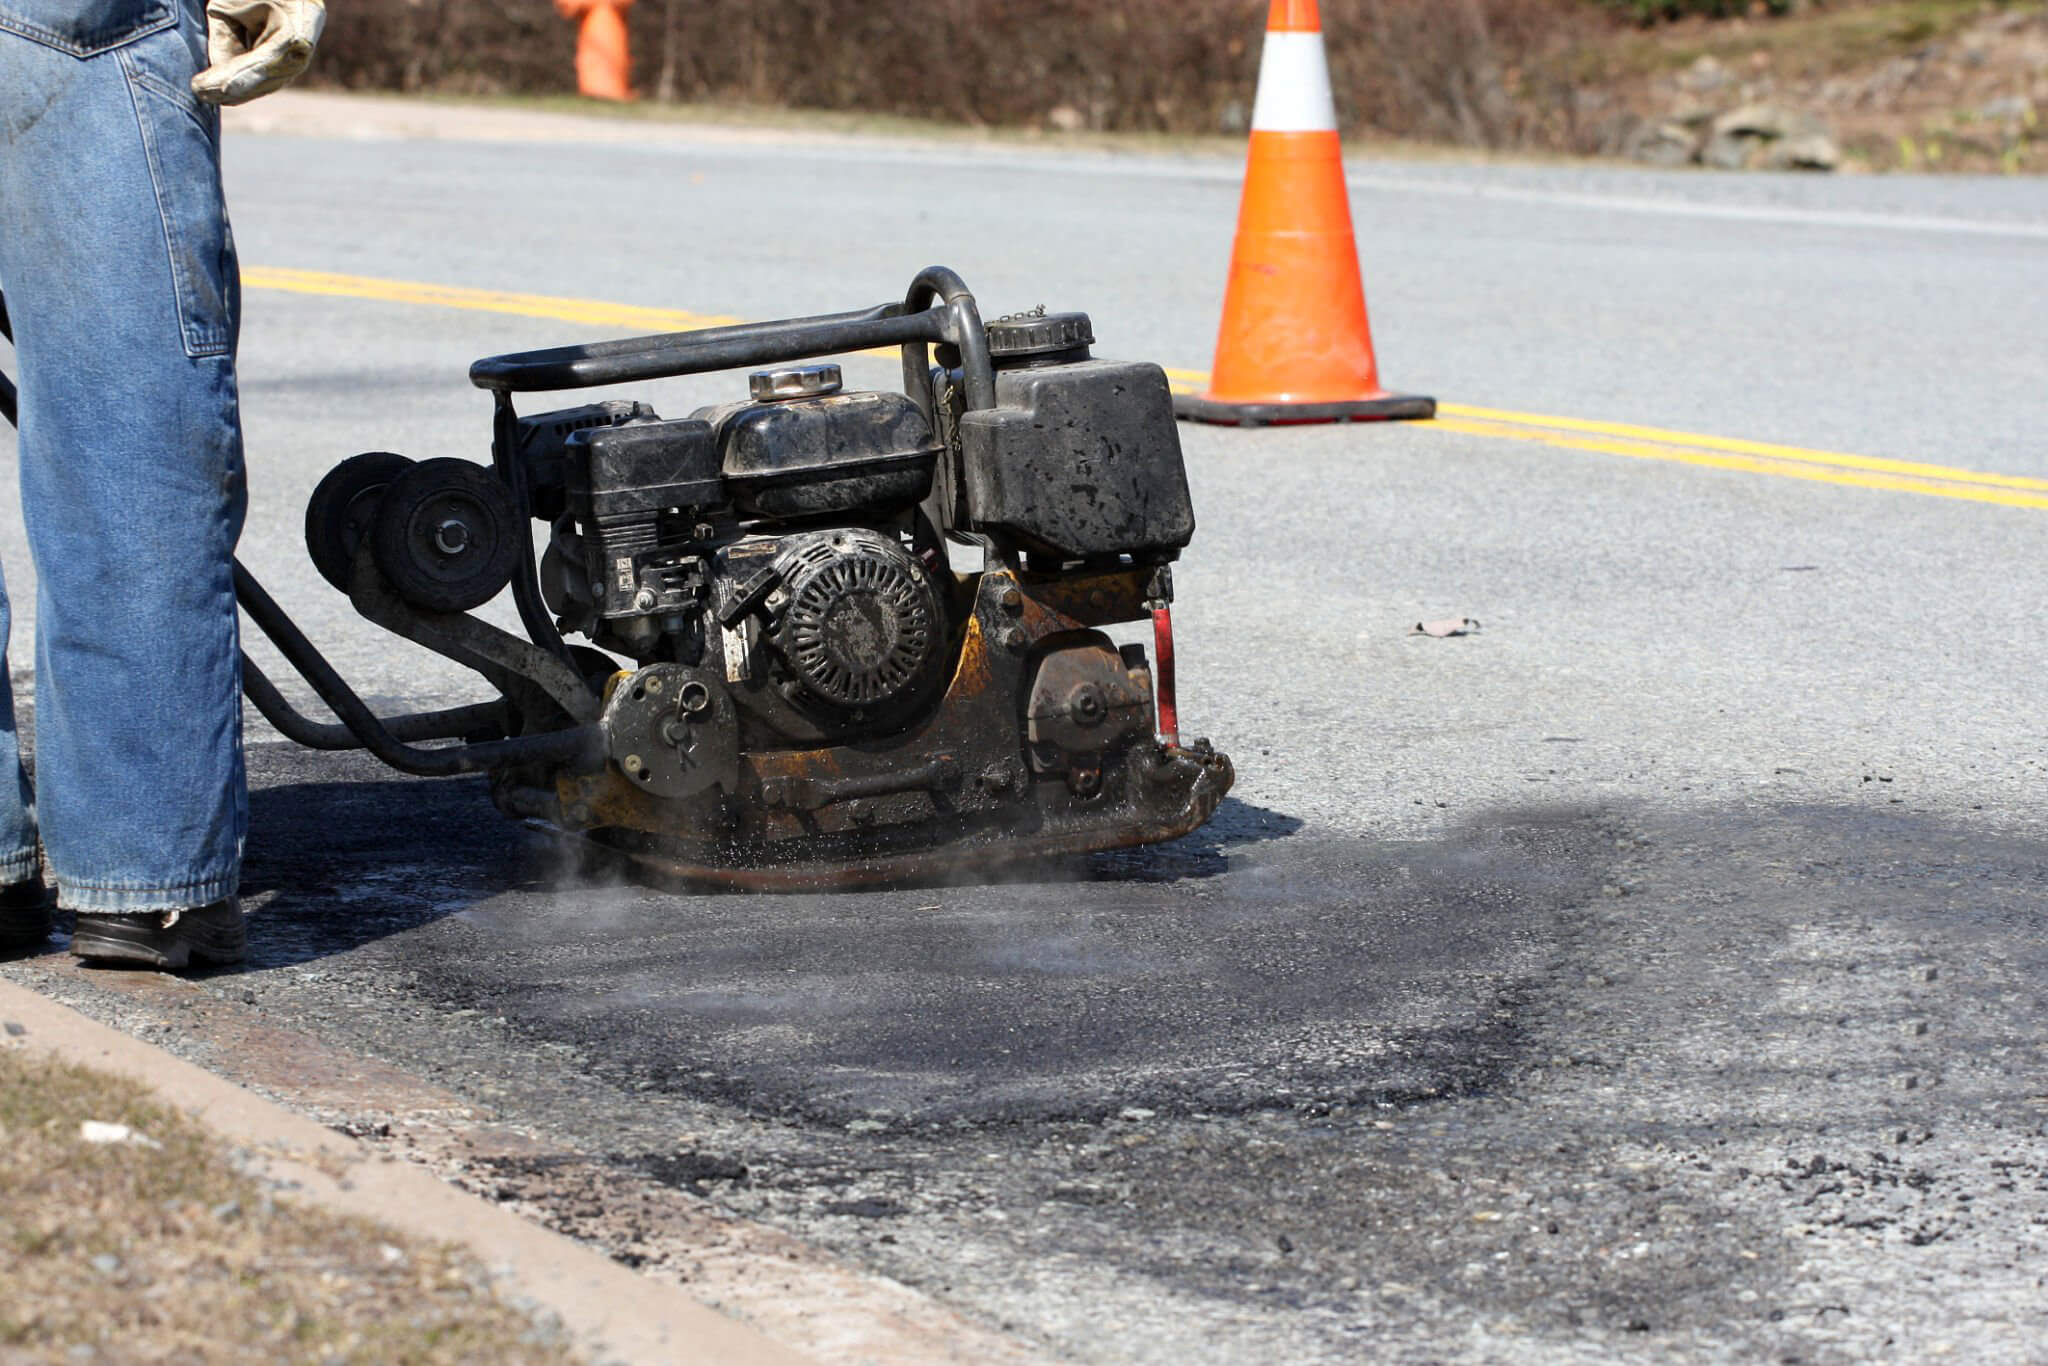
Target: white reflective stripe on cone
[1294, 86]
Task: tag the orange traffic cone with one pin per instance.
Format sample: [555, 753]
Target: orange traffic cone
[1295, 345]
[604, 60]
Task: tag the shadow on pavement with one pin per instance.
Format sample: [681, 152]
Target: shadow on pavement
[346, 860]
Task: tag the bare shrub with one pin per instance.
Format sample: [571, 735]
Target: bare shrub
[448, 45]
[1468, 71]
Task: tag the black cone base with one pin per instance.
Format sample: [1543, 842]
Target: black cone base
[1387, 408]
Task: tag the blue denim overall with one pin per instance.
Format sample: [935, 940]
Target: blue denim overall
[120, 279]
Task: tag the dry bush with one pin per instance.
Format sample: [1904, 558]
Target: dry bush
[468, 46]
[1461, 70]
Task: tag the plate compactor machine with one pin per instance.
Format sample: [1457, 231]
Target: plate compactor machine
[816, 694]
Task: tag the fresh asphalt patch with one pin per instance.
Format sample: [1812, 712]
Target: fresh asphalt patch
[1606, 1058]
[1252, 967]
[1726, 1082]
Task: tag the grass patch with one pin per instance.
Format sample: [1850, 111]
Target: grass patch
[166, 1253]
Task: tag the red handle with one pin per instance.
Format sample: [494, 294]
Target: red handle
[1162, 675]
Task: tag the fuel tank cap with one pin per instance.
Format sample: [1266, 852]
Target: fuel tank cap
[1023, 336]
[802, 381]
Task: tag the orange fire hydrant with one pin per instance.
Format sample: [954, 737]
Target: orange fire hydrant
[604, 58]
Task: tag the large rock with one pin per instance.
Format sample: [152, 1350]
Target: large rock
[2010, 109]
[1704, 76]
[1771, 137]
[1732, 151]
[1805, 152]
[1614, 134]
[1762, 121]
[1663, 144]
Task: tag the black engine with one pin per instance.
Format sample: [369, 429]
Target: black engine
[816, 681]
[783, 544]
[775, 543]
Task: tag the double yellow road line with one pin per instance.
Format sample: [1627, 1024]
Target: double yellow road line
[1750, 457]
[1579, 434]
[588, 312]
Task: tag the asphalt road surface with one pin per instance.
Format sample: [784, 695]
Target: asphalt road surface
[1658, 971]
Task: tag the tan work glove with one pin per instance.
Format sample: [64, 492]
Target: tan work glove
[256, 46]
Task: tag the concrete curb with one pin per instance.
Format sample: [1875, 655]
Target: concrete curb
[611, 1313]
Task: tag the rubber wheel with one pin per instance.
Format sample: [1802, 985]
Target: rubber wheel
[446, 535]
[344, 507]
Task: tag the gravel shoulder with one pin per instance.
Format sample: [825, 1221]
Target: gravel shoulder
[157, 1212]
[127, 1230]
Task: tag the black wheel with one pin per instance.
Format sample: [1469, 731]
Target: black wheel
[343, 508]
[446, 535]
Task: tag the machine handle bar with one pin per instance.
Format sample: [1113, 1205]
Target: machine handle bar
[913, 325]
[693, 353]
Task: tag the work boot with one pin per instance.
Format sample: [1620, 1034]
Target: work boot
[213, 933]
[24, 915]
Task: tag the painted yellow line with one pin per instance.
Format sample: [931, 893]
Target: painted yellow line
[1717, 452]
[1784, 469]
[1768, 450]
[1569, 433]
[588, 311]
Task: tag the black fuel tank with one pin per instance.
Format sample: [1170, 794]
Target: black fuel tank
[1081, 460]
[837, 453]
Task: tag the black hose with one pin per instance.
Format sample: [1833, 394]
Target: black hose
[452, 724]
[555, 746]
